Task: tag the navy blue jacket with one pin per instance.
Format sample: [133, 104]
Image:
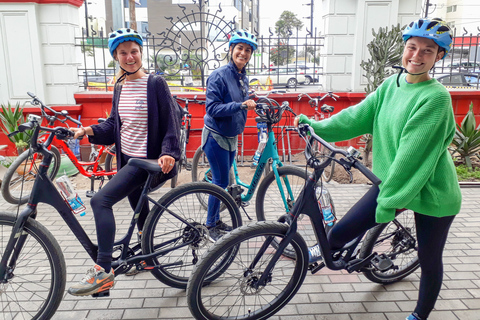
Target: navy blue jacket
[162, 125]
[224, 98]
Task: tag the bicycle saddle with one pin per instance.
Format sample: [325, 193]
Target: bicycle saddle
[326, 108]
[147, 164]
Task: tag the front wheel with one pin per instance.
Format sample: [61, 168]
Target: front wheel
[18, 181]
[164, 232]
[398, 241]
[34, 287]
[237, 293]
[307, 81]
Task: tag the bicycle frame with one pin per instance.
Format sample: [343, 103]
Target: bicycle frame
[80, 165]
[307, 204]
[270, 151]
[44, 191]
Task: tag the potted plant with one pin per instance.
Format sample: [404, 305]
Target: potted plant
[11, 118]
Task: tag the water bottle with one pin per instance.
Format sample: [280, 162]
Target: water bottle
[262, 141]
[323, 198]
[72, 199]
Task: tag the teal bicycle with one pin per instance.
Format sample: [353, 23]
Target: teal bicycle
[279, 188]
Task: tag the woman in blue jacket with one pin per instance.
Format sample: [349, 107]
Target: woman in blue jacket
[227, 105]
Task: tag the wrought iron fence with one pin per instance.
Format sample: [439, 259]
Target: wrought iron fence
[196, 44]
[461, 67]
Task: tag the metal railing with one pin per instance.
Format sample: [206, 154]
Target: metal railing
[197, 43]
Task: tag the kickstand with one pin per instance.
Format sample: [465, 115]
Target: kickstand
[91, 192]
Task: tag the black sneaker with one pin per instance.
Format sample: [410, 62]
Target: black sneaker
[223, 226]
[215, 233]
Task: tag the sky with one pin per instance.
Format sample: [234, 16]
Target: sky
[270, 11]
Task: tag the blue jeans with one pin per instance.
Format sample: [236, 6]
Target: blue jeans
[221, 161]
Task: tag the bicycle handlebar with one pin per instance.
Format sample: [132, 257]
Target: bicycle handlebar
[186, 100]
[328, 94]
[56, 114]
[349, 157]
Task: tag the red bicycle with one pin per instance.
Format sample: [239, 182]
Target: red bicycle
[20, 176]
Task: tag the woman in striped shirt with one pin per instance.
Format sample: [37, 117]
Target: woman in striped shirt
[142, 124]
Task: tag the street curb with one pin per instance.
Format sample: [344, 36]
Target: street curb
[469, 184]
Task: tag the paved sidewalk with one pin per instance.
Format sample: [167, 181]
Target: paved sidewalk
[325, 295]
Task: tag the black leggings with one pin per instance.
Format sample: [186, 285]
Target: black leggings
[432, 235]
[128, 181]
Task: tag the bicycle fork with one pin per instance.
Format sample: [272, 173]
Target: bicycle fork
[15, 244]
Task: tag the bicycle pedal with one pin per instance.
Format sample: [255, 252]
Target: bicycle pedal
[382, 262]
[315, 267]
[188, 166]
[90, 193]
[102, 294]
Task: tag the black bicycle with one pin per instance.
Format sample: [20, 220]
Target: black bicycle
[260, 279]
[184, 137]
[32, 266]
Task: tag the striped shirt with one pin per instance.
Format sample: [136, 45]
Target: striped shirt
[133, 112]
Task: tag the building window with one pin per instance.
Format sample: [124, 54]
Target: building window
[238, 4]
[452, 8]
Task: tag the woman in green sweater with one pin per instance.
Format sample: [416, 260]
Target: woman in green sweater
[411, 119]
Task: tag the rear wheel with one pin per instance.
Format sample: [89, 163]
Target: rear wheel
[111, 161]
[18, 181]
[237, 293]
[398, 241]
[201, 171]
[164, 232]
[34, 286]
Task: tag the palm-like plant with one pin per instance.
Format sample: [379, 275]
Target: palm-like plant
[11, 118]
[466, 141]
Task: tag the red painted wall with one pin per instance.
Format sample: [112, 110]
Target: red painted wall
[93, 105]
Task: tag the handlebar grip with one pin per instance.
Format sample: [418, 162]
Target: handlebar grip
[367, 173]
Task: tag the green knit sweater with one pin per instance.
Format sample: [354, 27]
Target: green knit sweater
[412, 126]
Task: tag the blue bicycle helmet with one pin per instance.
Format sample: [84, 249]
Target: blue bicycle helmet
[435, 29]
[122, 35]
[242, 36]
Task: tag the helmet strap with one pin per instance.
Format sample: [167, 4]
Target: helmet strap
[402, 69]
[127, 73]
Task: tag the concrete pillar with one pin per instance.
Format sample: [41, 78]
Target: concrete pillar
[348, 28]
[37, 50]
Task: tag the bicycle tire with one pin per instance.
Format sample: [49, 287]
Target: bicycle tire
[200, 172]
[36, 285]
[183, 158]
[269, 206]
[398, 244]
[161, 227]
[232, 295]
[15, 178]
[111, 162]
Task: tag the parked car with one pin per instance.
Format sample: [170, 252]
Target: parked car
[460, 80]
[280, 76]
[310, 70]
[96, 77]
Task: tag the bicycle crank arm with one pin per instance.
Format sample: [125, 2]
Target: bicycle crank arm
[380, 262]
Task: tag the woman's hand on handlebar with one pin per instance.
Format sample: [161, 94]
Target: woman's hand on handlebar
[250, 104]
[296, 120]
[81, 132]
[167, 163]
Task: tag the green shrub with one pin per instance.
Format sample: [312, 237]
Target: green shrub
[466, 141]
[466, 174]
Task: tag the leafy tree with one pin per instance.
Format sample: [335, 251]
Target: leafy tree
[285, 25]
[385, 51]
[281, 54]
[87, 48]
